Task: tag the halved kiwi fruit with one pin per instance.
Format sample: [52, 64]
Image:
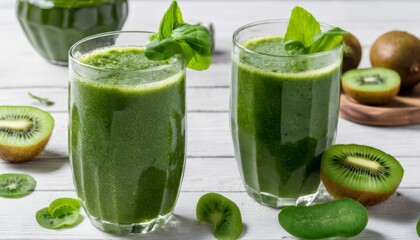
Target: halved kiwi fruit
[371, 86]
[222, 213]
[16, 185]
[399, 51]
[363, 173]
[24, 132]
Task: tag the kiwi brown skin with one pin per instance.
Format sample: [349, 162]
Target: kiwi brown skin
[400, 51]
[352, 52]
[22, 154]
[367, 199]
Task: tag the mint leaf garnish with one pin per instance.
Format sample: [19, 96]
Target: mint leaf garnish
[302, 27]
[169, 21]
[327, 40]
[45, 101]
[196, 45]
[176, 37]
[161, 50]
[304, 34]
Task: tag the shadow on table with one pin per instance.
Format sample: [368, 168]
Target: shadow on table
[398, 208]
[370, 234]
[178, 227]
[40, 164]
[53, 154]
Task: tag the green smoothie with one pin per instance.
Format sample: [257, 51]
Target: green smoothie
[127, 135]
[283, 116]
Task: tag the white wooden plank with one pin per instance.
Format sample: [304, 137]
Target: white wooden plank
[209, 135]
[201, 174]
[394, 219]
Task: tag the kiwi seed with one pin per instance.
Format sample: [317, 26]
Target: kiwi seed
[24, 132]
[399, 51]
[363, 173]
[371, 86]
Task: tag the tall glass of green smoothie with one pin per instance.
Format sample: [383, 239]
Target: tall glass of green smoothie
[284, 113]
[126, 131]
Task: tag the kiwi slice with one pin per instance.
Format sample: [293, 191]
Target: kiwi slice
[46, 220]
[62, 206]
[363, 173]
[222, 213]
[15, 185]
[371, 86]
[339, 218]
[24, 132]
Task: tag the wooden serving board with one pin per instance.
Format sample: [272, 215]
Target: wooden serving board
[403, 110]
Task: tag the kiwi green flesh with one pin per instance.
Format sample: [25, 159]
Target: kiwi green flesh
[24, 126]
[223, 214]
[15, 185]
[361, 168]
[371, 79]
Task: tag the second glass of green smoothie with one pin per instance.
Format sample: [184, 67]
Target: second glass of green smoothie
[284, 113]
[126, 131]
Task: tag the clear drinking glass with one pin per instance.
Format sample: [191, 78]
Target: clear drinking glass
[284, 113]
[126, 132]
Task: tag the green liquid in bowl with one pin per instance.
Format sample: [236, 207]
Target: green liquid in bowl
[53, 27]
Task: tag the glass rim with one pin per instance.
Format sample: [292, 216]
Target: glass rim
[261, 22]
[178, 58]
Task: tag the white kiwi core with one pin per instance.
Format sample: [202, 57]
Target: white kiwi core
[363, 163]
[16, 125]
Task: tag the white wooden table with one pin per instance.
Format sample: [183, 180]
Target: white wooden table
[210, 165]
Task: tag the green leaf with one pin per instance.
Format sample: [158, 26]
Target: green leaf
[172, 17]
[196, 45]
[302, 27]
[295, 47]
[325, 41]
[176, 37]
[45, 101]
[161, 50]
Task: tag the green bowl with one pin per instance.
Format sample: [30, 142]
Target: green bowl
[53, 26]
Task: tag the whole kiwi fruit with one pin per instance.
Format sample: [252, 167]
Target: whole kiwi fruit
[352, 52]
[400, 51]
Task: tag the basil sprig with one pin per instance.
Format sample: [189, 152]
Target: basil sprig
[177, 37]
[304, 34]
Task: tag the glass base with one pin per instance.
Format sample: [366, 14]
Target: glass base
[128, 229]
[59, 63]
[278, 202]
